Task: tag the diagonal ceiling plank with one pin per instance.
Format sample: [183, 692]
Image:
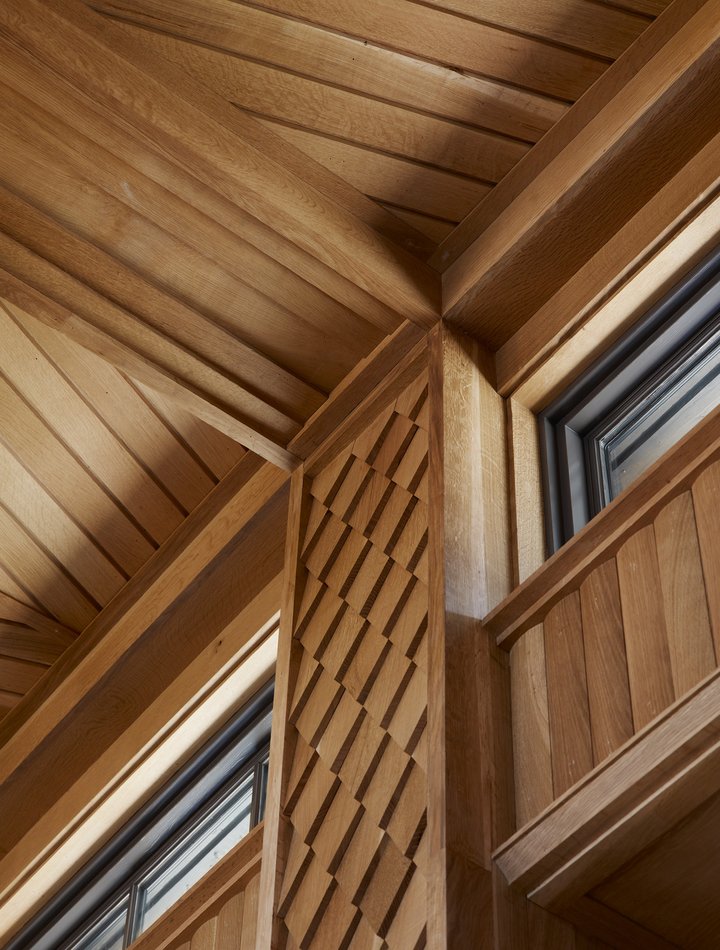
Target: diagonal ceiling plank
[182, 240]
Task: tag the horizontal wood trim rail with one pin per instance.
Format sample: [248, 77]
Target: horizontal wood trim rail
[129, 771]
[604, 535]
[658, 777]
[203, 900]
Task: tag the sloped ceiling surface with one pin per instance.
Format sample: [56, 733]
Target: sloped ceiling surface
[420, 106]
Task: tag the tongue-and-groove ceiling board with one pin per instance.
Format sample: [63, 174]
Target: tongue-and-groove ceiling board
[95, 473]
[145, 243]
[422, 106]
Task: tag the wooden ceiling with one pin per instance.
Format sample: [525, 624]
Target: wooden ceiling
[96, 472]
[422, 106]
[173, 179]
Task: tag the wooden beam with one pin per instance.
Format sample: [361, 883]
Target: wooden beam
[131, 770]
[222, 556]
[283, 735]
[470, 807]
[624, 279]
[609, 157]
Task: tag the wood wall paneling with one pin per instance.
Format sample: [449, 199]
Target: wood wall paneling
[348, 785]
[620, 640]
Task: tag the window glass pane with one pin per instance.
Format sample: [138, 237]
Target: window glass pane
[669, 411]
[194, 854]
[107, 933]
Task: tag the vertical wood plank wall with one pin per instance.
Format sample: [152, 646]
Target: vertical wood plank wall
[233, 927]
[641, 630]
[354, 798]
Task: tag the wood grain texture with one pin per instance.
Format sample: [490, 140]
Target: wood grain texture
[605, 803]
[69, 693]
[705, 492]
[470, 807]
[648, 652]
[532, 757]
[692, 654]
[348, 786]
[417, 90]
[634, 269]
[566, 569]
[220, 911]
[625, 634]
[605, 661]
[526, 508]
[608, 170]
[570, 736]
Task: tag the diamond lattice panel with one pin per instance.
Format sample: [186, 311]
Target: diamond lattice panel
[357, 792]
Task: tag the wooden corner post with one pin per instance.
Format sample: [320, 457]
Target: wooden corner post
[470, 807]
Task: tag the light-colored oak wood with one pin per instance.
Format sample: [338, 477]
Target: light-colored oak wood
[457, 42]
[705, 492]
[66, 696]
[692, 653]
[526, 508]
[606, 666]
[349, 798]
[532, 758]
[601, 160]
[605, 534]
[564, 131]
[374, 70]
[570, 737]
[646, 638]
[188, 713]
[470, 805]
[636, 795]
[216, 904]
[634, 269]
[277, 838]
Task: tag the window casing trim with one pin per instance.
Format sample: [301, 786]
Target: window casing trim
[573, 490]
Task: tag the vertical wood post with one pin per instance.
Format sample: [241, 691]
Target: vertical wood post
[282, 742]
[470, 775]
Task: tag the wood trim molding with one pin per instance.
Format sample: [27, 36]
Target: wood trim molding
[202, 901]
[528, 603]
[127, 773]
[623, 280]
[657, 778]
[562, 133]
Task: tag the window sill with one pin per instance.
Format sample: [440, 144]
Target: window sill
[529, 603]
